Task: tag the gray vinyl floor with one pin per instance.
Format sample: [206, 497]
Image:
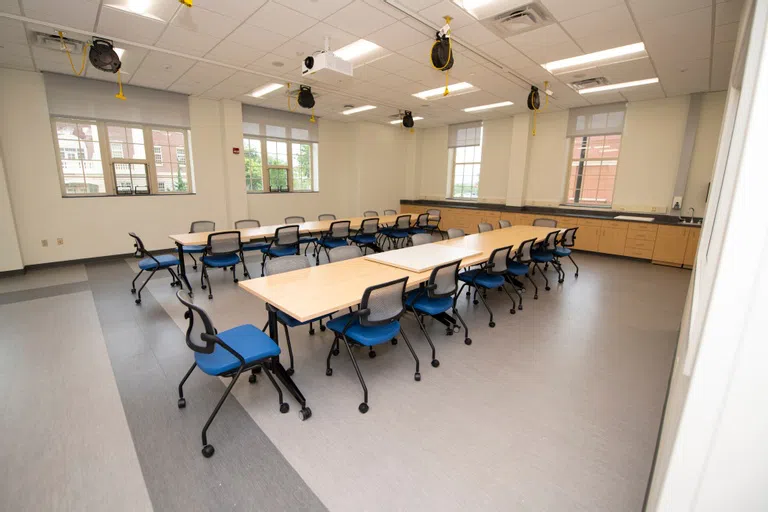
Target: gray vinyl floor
[556, 408]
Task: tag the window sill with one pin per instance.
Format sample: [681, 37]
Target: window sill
[129, 195]
[283, 193]
[463, 199]
[587, 206]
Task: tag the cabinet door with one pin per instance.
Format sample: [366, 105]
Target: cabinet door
[670, 245]
[691, 247]
[587, 238]
[612, 240]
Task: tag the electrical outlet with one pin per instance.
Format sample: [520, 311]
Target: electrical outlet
[59, 241]
[44, 243]
[653, 209]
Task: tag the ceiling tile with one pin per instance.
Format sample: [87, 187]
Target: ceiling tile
[725, 33]
[317, 33]
[602, 98]
[236, 85]
[728, 12]
[435, 14]
[605, 39]
[368, 73]
[398, 36]
[160, 70]
[722, 60]
[203, 21]
[73, 13]
[266, 64]
[237, 9]
[256, 38]
[206, 74]
[628, 71]
[387, 9]
[649, 10]
[161, 9]
[15, 61]
[295, 50]
[535, 74]
[360, 19]
[280, 19]
[233, 53]
[566, 9]
[124, 25]
[475, 34]
[506, 54]
[12, 31]
[665, 44]
[685, 78]
[319, 9]
[645, 92]
[544, 54]
[544, 36]
[10, 6]
[185, 41]
[613, 18]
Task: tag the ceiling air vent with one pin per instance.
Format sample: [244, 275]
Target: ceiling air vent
[53, 42]
[589, 82]
[518, 20]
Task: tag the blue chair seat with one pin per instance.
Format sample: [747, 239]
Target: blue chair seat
[365, 335]
[542, 257]
[221, 261]
[416, 231]
[292, 322]
[424, 304]
[166, 260]
[193, 248]
[307, 240]
[396, 233]
[483, 278]
[561, 252]
[363, 239]
[255, 246]
[330, 243]
[276, 252]
[516, 268]
[247, 340]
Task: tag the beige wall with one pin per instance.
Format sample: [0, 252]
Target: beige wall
[704, 151]
[10, 256]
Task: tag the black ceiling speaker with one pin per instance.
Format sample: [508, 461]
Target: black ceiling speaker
[103, 56]
[442, 54]
[309, 62]
[408, 119]
[306, 99]
[534, 102]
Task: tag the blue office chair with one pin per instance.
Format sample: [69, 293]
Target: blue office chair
[250, 246]
[335, 237]
[153, 263]
[227, 354]
[484, 227]
[435, 300]
[365, 237]
[454, 233]
[519, 265]
[199, 226]
[545, 253]
[375, 323]
[399, 233]
[326, 216]
[384, 227]
[566, 242]
[489, 275]
[284, 243]
[307, 240]
[345, 252]
[503, 223]
[421, 239]
[433, 222]
[421, 224]
[222, 251]
[370, 213]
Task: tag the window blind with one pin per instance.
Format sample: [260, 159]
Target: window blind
[278, 124]
[84, 98]
[465, 134]
[596, 120]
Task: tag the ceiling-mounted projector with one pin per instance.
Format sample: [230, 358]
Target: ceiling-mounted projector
[325, 63]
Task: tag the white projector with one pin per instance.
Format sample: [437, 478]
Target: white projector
[324, 63]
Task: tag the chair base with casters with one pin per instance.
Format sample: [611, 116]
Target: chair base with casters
[421, 305]
[164, 261]
[288, 321]
[217, 262]
[547, 258]
[481, 282]
[192, 250]
[366, 242]
[562, 252]
[516, 270]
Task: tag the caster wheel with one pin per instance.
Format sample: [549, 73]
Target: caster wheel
[182, 403]
[247, 276]
[561, 281]
[311, 332]
[173, 284]
[394, 341]
[512, 311]
[435, 363]
[336, 352]
[236, 280]
[289, 371]
[536, 297]
[329, 371]
[305, 413]
[133, 290]
[467, 341]
[252, 379]
[372, 354]
[202, 286]
[284, 407]
[138, 301]
[210, 296]
[520, 307]
[449, 332]
[547, 288]
[475, 302]
[491, 324]
[208, 451]
[194, 267]
[257, 369]
[417, 376]
[363, 408]
[468, 294]
[323, 328]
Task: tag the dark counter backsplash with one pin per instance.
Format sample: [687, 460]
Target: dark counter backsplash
[545, 210]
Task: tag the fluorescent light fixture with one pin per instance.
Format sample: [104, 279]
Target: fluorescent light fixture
[400, 121]
[140, 7]
[357, 49]
[623, 85]
[610, 56]
[461, 86]
[119, 52]
[263, 91]
[358, 109]
[488, 107]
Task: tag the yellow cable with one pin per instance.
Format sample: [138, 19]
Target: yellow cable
[313, 119]
[534, 122]
[69, 55]
[120, 94]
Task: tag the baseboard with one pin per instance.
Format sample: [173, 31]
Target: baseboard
[80, 261]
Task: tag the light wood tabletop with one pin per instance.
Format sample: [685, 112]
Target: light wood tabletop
[249, 234]
[422, 257]
[485, 243]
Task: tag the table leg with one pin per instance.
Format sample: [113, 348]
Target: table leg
[183, 269]
[279, 370]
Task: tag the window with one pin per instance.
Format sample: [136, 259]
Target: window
[592, 171]
[289, 165]
[465, 155]
[158, 155]
[82, 171]
[172, 171]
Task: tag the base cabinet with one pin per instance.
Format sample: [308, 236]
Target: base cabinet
[612, 241]
[670, 245]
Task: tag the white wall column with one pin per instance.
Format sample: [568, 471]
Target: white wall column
[519, 151]
[233, 166]
[10, 256]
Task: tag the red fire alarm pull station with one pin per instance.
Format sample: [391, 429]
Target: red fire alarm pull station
[235, 151]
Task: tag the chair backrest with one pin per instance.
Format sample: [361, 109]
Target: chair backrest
[139, 245]
[433, 212]
[445, 279]
[546, 223]
[326, 216]
[202, 226]
[504, 224]
[285, 264]
[550, 243]
[524, 250]
[295, 220]
[403, 222]
[421, 239]
[497, 263]
[455, 233]
[422, 220]
[385, 302]
[484, 227]
[287, 235]
[569, 237]
[223, 243]
[370, 226]
[247, 223]
[339, 229]
[344, 252]
[390, 212]
[206, 343]
[370, 213]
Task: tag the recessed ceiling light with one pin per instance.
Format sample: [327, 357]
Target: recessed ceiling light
[623, 85]
[358, 109]
[355, 50]
[140, 7]
[263, 91]
[488, 107]
[438, 92]
[611, 56]
[119, 52]
[400, 121]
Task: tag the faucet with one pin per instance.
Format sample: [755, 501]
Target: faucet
[692, 212]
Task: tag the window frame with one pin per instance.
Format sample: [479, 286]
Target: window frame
[452, 168]
[109, 184]
[266, 168]
[569, 165]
